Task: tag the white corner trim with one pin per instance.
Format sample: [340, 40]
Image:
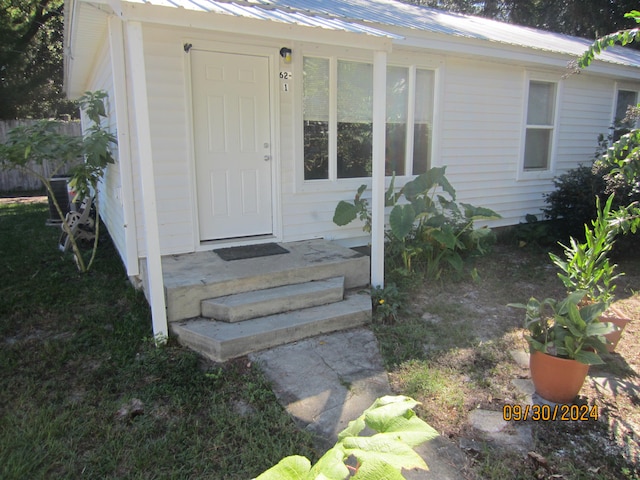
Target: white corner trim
[378, 174]
[121, 104]
[135, 44]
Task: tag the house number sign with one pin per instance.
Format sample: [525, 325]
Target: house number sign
[284, 78]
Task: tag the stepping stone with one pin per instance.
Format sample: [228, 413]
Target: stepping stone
[487, 421]
[525, 387]
[520, 357]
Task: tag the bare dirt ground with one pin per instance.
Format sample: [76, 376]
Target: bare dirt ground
[23, 200]
[471, 368]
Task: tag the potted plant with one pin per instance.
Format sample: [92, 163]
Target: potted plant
[586, 266]
[564, 339]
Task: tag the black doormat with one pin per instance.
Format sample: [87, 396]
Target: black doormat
[250, 251]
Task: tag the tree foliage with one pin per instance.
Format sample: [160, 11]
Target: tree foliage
[582, 18]
[31, 59]
[30, 145]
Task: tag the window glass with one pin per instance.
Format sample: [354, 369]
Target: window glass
[423, 121]
[396, 126]
[315, 106]
[537, 147]
[539, 129]
[409, 119]
[355, 119]
[624, 100]
[540, 109]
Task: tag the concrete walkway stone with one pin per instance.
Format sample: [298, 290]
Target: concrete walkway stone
[511, 435]
[327, 381]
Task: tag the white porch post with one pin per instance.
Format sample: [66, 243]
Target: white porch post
[377, 180]
[143, 131]
[121, 105]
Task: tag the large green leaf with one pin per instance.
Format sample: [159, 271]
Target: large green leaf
[596, 329]
[345, 213]
[472, 212]
[376, 469]
[455, 260]
[401, 220]
[588, 358]
[385, 447]
[435, 176]
[445, 237]
[289, 468]
[590, 313]
[331, 466]
[409, 429]
[391, 196]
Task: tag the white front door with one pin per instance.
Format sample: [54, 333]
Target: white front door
[232, 139]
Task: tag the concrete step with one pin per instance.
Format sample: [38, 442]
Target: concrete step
[191, 278]
[260, 303]
[222, 341]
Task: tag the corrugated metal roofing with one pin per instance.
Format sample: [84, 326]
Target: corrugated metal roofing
[373, 17]
[266, 11]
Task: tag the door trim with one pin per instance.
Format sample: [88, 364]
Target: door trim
[274, 101]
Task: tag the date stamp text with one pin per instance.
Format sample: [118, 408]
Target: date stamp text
[545, 413]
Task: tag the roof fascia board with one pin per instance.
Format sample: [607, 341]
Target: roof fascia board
[513, 54]
[179, 17]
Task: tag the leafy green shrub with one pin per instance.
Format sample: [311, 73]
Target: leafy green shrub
[532, 232]
[428, 231]
[387, 303]
[573, 201]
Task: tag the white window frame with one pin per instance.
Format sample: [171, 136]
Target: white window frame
[624, 87]
[549, 172]
[409, 61]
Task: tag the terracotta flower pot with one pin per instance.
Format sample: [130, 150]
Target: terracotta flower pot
[615, 316]
[556, 379]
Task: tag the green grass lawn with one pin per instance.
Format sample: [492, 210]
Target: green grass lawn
[85, 393]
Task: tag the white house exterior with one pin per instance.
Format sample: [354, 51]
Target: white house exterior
[224, 139]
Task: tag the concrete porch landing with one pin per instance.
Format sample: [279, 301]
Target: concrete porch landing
[226, 309]
[191, 278]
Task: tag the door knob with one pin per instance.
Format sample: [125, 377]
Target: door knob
[267, 158]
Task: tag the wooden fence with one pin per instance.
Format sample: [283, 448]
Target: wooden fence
[15, 180]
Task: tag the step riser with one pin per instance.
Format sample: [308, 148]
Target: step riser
[184, 302]
[220, 342]
[239, 307]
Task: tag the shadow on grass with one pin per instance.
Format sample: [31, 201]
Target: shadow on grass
[450, 349]
[77, 353]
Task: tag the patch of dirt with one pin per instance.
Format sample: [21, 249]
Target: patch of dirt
[24, 200]
[484, 371]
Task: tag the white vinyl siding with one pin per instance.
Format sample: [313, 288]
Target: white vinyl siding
[110, 190]
[474, 112]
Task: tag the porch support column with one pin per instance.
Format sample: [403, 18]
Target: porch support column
[121, 106]
[377, 180]
[155, 280]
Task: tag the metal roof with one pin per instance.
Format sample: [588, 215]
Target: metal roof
[375, 17]
[267, 11]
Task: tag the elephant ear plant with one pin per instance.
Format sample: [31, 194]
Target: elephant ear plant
[383, 455]
[425, 222]
[30, 146]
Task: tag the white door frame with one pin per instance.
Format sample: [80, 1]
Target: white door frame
[274, 101]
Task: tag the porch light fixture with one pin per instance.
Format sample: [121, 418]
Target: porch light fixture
[286, 54]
